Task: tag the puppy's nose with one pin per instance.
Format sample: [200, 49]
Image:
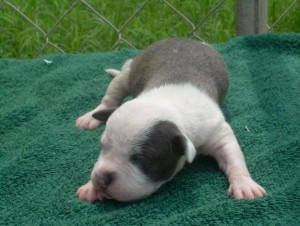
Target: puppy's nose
[103, 180]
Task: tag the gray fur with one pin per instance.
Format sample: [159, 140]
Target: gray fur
[179, 61]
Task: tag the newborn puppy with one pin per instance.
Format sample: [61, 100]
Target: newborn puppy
[178, 86]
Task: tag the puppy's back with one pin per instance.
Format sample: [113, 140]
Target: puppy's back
[179, 61]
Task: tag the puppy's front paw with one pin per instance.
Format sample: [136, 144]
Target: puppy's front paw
[87, 122]
[245, 188]
[88, 193]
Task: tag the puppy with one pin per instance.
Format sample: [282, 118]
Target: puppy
[178, 86]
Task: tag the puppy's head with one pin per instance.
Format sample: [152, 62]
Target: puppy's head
[138, 156]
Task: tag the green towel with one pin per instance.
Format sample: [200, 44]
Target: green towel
[44, 158]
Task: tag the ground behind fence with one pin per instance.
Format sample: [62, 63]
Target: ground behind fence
[31, 28]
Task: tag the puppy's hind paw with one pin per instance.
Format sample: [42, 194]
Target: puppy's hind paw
[113, 72]
[87, 122]
[124, 71]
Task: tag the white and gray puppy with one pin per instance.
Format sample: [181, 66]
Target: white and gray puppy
[178, 86]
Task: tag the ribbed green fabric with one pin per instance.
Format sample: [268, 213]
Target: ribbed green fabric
[44, 158]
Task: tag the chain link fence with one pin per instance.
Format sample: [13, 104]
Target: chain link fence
[119, 30]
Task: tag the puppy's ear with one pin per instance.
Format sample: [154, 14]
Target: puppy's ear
[182, 145]
[103, 115]
[190, 150]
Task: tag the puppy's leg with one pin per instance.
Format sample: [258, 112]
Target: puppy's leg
[115, 93]
[231, 160]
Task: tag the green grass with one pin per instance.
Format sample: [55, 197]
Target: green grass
[81, 31]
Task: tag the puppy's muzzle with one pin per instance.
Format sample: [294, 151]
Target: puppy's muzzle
[102, 180]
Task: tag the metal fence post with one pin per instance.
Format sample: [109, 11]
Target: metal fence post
[251, 16]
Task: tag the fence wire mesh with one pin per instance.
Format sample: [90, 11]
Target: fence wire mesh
[283, 14]
[119, 31]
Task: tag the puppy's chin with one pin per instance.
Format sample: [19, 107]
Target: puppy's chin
[131, 197]
[134, 192]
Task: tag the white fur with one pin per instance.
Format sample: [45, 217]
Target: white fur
[192, 110]
[191, 151]
[130, 120]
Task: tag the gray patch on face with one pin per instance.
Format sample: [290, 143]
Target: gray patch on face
[157, 152]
